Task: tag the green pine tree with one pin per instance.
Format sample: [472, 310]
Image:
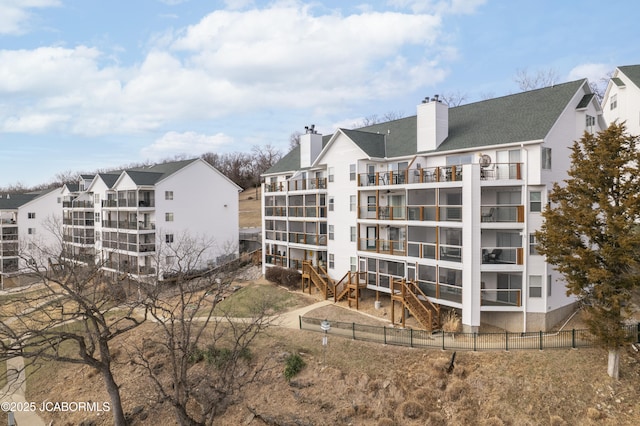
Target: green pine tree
[591, 232]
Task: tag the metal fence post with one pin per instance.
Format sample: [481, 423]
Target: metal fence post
[353, 330]
[443, 341]
[384, 333]
[506, 341]
[300, 321]
[411, 337]
[475, 336]
[540, 339]
[573, 338]
[638, 333]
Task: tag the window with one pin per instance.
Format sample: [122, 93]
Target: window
[331, 232]
[352, 203]
[352, 172]
[59, 199]
[535, 285]
[96, 198]
[96, 217]
[168, 238]
[590, 121]
[169, 260]
[535, 201]
[331, 204]
[168, 195]
[533, 244]
[352, 264]
[31, 231]
[31, 215]
[332, 262]
[353, 234]
[371, 203]
[331, 172]
[614, 101]
[546, 159]
[168, 217]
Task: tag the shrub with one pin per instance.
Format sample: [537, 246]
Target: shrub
[291, 278]
[294, 364]
[286, 277]
[274, 274]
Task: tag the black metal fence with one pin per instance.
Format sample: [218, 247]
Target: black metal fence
[506, 341]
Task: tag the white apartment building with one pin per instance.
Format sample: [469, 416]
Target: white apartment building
[26, 221]
[448, 199]
[123, 220]
[621, 100]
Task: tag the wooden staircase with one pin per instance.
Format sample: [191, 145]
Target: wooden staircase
[413, 299]
[348, 286]
[319, 278]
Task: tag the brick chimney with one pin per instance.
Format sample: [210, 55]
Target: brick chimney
[433, 124]
[310, 146]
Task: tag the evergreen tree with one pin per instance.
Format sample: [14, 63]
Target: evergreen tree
[591, 232]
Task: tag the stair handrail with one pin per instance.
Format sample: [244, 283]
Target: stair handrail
[418, 290]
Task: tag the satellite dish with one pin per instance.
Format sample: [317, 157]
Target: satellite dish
[485, 160]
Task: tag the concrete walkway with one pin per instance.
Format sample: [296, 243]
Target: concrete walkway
[291, 319]
[14, 392]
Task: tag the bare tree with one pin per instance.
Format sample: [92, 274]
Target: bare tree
[542, 78]
[453, 99]
[72, 316]
[372, 119]
[205, 359]
[294, 139]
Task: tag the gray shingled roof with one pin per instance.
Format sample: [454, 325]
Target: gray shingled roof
[13, 201]
[633, 72]
[109, 179]
[514, 118]
[584, 102]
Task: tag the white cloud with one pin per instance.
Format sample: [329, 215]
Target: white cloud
[230, 62]
[190, 143]
[15, 15]
[462, 7]
[594, 72]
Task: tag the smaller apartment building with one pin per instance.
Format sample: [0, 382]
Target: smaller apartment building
[449, 198]
[27, 221]
[130, 221]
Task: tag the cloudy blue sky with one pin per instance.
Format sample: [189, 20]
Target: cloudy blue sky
[87, 84]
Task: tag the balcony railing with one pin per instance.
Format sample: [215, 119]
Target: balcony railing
[308, 238]
[412, 176]
[275, 235]
[493, 297]
[275, 260]
[396, 248]
[140, 226]
[503, 255]
[307, 184]
[496, 171]
[75, 204]
[279, 211]
[307, 211]
[452, 293]
[422, 250]
[123, 202]
[275, 187]
[502, 213]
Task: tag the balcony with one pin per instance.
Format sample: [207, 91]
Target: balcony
[503, 255]
[502, 213]
[498, 298]
[280, 211]
[307, 184]
[308, 238]
[308, 211]
[128, 225]
[276, 260]
[275, 187]
[452, 293]
[77, 204]
[394, 248]
[501, 171]
[412, 176]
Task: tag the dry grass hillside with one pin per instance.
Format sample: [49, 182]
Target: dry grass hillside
[249, 206]
[371, 384]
